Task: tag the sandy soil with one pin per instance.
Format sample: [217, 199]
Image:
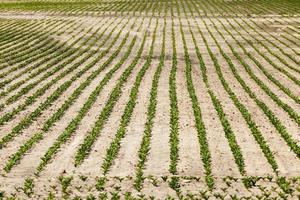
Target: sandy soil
[157, 180]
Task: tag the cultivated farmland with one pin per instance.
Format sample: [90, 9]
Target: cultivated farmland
[156, 99]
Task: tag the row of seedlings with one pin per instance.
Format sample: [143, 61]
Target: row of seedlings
[72, 126]
[43, 45]
[268, 112]
[200, 126]
[241, 107]
[229, 134]
[25, 122]
[70, 101]
[25, 60]
[74, 55]
[40, 67]
[151, 112]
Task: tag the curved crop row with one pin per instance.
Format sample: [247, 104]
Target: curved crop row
[268, 91]
[15, 34]
[283, 61]
[69, 102]
[24, 59]
[74, 54]
[274, 97]
[276, 38]
[151, 111]
[25, 35]
[201, 130]
[115, 94]
[43, 46]
[241, 107]
[60, 52]
[72, 126]
[273, 119]
[52, 98]
[15, 52]
[230, 136]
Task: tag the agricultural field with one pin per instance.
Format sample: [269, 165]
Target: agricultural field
[149, 99]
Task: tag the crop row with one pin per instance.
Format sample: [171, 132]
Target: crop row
[235, 148]
[27, 60]
[228, 9]
[174, 112]
[40, 48]
[49, 60]
[273, 119]
[15, 51]
[15, 36]
[242, 108]
[69, 102]
[284, 106]
[117, 7]
[26, 37]
[200, 126]
[151, 111]
[264, 45]
[60, 55]
[54, 96]
[11, 47]
[114, 147]
[38, 68]
[72, 126]
[57, 115]
[115, 94]
[66, 61]
[267, 74]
